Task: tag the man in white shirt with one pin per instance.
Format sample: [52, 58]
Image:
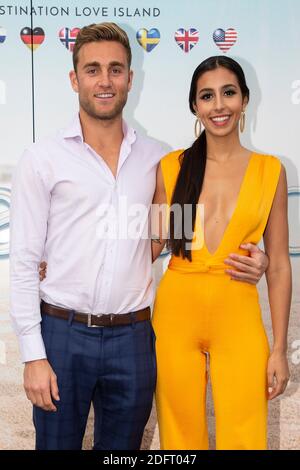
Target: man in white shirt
[90, 340]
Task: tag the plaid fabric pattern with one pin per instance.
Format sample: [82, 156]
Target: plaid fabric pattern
[113, 368]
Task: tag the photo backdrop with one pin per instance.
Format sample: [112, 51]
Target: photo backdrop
[169, 39]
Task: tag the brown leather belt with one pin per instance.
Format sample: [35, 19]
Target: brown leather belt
[96, 320]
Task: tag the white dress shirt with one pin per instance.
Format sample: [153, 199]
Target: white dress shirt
[59, 187]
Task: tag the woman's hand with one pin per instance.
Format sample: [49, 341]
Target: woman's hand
[43, 270]
[278, 374]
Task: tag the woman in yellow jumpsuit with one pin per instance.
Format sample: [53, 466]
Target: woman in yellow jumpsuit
[199, 310]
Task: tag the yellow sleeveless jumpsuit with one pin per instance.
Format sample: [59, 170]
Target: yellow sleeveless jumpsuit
[198, 310]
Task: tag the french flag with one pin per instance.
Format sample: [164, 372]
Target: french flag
[2, 34]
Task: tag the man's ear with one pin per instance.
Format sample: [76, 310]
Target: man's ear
[130, 78]
[74, 80]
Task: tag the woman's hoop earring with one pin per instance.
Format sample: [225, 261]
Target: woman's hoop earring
[197, 128]
[242, 121]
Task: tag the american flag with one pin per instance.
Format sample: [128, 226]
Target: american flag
[68, 37]
[186, 39]
[225, 39]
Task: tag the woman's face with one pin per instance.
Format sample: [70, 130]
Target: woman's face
[219, 101]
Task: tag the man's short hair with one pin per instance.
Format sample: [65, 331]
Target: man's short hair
[101, 32]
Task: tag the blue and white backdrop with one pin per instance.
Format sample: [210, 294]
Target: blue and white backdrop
[169, 39]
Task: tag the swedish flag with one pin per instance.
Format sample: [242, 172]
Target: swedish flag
[148, 39]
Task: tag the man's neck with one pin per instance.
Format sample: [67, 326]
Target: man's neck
[100, 133]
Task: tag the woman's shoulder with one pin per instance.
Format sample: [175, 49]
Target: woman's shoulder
[267, 159]
[172, 157]
[269, 166]
[170, 167]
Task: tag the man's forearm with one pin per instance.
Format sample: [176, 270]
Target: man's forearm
[25, 309]
[28, 230]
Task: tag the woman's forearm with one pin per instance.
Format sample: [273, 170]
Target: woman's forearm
[280, 291]
[157, 246]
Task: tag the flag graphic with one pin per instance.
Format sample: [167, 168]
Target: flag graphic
[32, 38]
[68, 37]
[148, 39]
[186, 39]
[225, 39]
[2, 35]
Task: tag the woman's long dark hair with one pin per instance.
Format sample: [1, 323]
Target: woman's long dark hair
[193, 162]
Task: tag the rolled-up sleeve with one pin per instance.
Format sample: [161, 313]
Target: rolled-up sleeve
[29, 211]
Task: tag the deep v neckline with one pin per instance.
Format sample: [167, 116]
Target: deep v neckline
[236, 209]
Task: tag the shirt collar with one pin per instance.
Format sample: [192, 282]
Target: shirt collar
[74, 131]
[129, 133]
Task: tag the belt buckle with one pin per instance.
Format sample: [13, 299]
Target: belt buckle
[89, 324]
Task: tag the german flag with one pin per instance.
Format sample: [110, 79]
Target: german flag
[32, 39]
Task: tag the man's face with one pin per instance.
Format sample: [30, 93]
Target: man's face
[102, 80]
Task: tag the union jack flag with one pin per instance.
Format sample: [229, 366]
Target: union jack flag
[186, 39]
[68, 37]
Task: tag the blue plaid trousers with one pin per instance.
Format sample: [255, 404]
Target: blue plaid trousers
[112, 367]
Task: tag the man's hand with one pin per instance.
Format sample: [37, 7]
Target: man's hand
[249, 268]
[43, 270]
[40, 384]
